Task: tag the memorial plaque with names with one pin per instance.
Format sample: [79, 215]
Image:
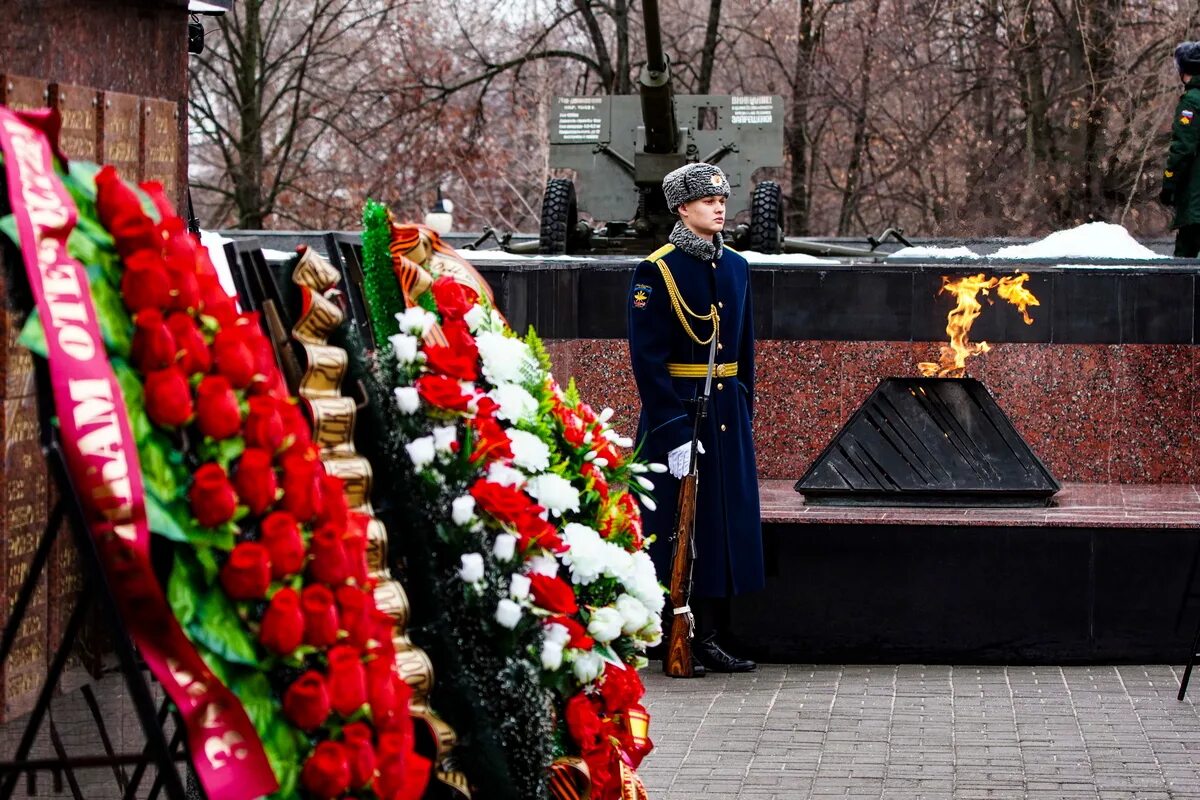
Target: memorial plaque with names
[80, 136]
[22, 93]
[160, 145]
[120, 131]
[16, 362]
[23, 520]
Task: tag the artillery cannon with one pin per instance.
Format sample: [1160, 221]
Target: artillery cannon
[622, 146]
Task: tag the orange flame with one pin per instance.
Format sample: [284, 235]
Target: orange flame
[952, 363]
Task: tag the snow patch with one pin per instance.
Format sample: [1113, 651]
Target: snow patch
[935, 252]
[1091, 240]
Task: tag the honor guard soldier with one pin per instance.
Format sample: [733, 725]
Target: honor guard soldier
[1181, 183]
[682, 295]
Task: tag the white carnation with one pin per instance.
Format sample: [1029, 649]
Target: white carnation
[634, 614]
[505, 475]
[444, 437]
[585, 555]
[529, 452]
[515, 404]
[553, 492]
[587, 665]
[558, 634]
[543, 564]
[605, 624]
[643, 583]
[407, 399]
[421, 451]
[505, 546]
[552, 656]
[416, 320]
[462, 509]
[472, 567]
[404, 348]
[508, 613]
[518, 586]
[504, 359]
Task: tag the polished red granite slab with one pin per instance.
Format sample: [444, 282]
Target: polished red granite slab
[1078, 505]
[1120, 414]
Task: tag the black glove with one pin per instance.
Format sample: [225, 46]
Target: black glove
[1167, 196]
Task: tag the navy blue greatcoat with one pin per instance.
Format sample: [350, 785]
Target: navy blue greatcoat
[728, 530]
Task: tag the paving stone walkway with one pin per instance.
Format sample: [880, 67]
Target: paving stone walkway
[914, 732]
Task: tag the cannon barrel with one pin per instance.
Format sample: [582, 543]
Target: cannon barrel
[658, 97]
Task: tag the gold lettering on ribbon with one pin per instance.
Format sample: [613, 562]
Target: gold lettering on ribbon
[333, 430]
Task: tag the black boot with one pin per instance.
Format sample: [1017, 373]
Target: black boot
[716, 659]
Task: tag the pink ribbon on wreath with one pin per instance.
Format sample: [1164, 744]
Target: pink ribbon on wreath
[103, 462]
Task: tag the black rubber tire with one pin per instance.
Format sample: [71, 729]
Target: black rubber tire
[766, 218]
[560, 215]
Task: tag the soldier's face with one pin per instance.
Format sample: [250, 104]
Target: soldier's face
[705, 216]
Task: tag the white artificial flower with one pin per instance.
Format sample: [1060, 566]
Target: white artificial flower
[505, 546]
[475, 317]
[618, 563]
[554, 493]
[508, 613]
[643, 482]
[585, 555]
[606, 624]
[504, 359]
[556, 633]
[552, 656]
[471, 570]
[634, 614]
[544, 564]
[462, 509]
[404, 347]
[656, 467]
[643, 583]
[647, 501]
[518, 586]
[444, 437]
[605, 415]
[515, 404]
[421, 451]
[407, 399]
[529, 452]
[623, 441]
[505, 475]
[416, 320]
[587, 665]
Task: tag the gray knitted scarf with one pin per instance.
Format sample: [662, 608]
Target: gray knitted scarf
[687, 241]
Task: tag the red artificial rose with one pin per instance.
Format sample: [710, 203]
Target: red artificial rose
[326, 773]
[490, 440]
[255, 480]
[214, 302]
[620, 689]
[281, 537]
[302, 471]
[505, 503]
[459, 358]
[328, 563]
[355, 605]
[168, 397]
[306, 701]
[533, 531]
[296, 430]
[453, 299]
[403, 777]
[553, 594]
[233, 358]
[381, 626]
[247, 573]
[579, 638]
[334, 511]
[320, 616]
[218, 413]
[347, 680]
[583, 721]
[185, 290]
[190, 342]
[360, 751]
[485, 407]
[158, 196]
[398, 741]
[120, 211]
[145, 284]
[264, 424]
[212, 496]
[355, 545]
[388, 695]
[260, 348]
[443, 392]
[282, 628]
[154, 345]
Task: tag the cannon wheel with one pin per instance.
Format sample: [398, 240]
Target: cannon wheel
[766, 217]
[560, 215]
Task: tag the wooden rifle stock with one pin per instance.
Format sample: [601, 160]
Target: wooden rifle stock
[678, 661]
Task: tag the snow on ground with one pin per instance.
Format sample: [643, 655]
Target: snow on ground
[1092, 240]
[754, 257]
[935, 252]
[503, 255]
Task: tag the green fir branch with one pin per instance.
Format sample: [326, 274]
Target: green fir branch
[380, 287]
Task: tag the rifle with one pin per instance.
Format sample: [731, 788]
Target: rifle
[678, 663]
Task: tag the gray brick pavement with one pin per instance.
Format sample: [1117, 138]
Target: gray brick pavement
[914, 732]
